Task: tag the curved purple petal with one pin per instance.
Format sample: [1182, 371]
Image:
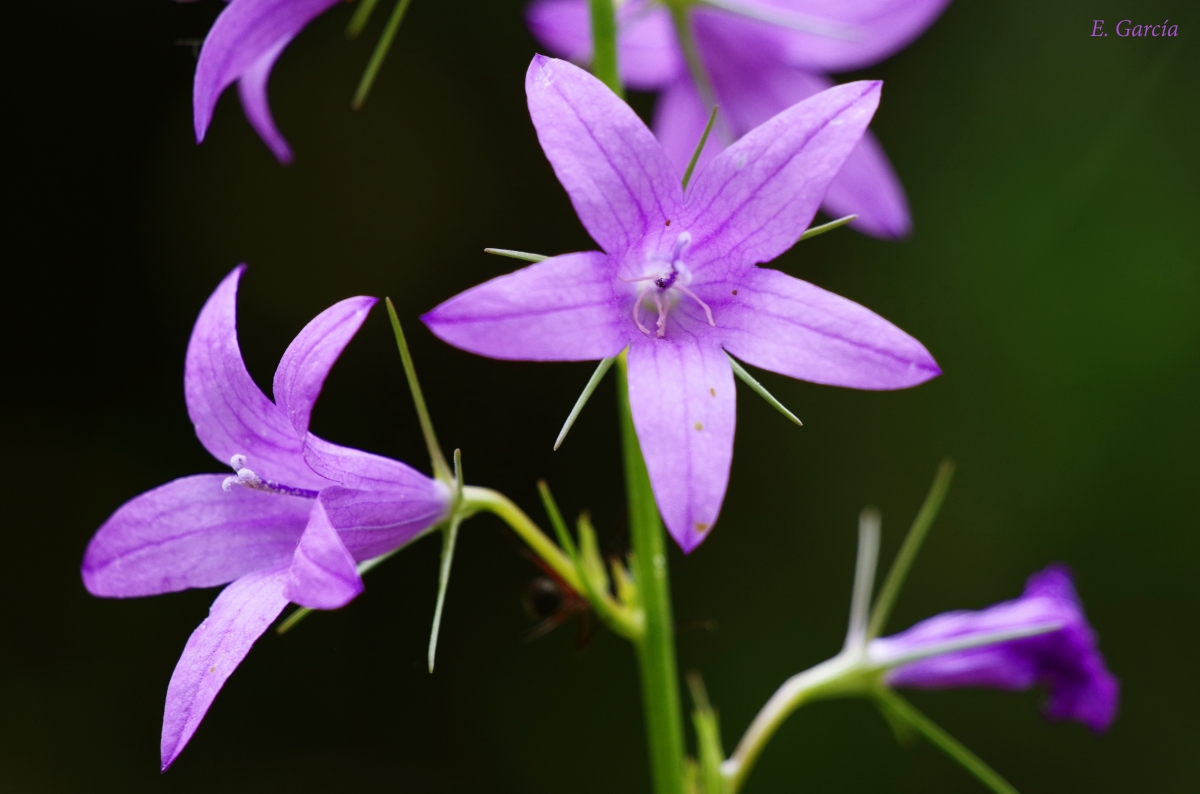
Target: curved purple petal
[648, 53]
[323, 574]
[683, 401]
[757, 197]
[306, 363]
[789, 326]
[231, 414]
[382, 504]
[876, 29]
[252, 90]
[867, 186]
[191, 533]
[617, 176]
[239, 616]
[245, 32]
[1066, 661]
[562, 309]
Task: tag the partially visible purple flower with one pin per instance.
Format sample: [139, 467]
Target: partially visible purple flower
[677, 281]
[757, 69]
[1066, 661]
[280, 529]
[243, 45]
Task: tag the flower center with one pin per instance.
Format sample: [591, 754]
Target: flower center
[663, 286]
[248, 479]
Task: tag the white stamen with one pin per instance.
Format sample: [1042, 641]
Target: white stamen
[237, 462]
[637, 306]
[228, 483]
[704, 305]
[662, 315]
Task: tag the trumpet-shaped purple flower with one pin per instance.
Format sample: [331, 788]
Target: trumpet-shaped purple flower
[243, 45]
[677, 281]
[1066, 660]
[288, 525]
[762, 56]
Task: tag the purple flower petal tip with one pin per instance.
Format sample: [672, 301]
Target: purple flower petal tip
[243, 46]
[1066, 661]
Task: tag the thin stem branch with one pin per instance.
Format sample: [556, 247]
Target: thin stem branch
[864, 578]
[604, 45]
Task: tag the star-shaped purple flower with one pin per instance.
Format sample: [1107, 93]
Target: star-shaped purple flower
[242, 46]
[1066, 661]
[762, 56]
[677, 282]
[289, 525]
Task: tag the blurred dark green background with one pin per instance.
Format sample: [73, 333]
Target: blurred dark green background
[1054, 273]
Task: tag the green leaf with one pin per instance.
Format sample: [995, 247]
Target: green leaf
[592, 383]
[761, 390]
[440, 469]
[827, 227]
[708, 738]
[556, 520]
[381, 51]
[687, 175]
[516, 254]
[902, 709]
[908, 551]
[359, 21]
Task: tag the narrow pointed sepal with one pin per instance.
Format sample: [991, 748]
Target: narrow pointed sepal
[748, 379]
[592, 383]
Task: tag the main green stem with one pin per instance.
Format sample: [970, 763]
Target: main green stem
[656, 648]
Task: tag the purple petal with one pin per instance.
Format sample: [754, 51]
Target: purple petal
[648, 52]
[679, 121]
[231, 414]
[1066, 661]
[618, 178]
[878, 28]
[383, 503]
[323, 574]
[755, 200]
[252, 90]
[311, 355]
[562, 309]
[239, 616]
[191, 533]
[245, 32]
[867, 186]
[684, 409]
[789, 326]
[754, 82]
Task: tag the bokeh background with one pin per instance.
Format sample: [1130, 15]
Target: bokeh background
[1054, 273]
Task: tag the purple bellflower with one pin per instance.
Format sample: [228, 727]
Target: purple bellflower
[288, 526]
[1066, 661]
[243, 46]
[677, 282]
[761, 56]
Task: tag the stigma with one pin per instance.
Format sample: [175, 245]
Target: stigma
[659, 285]
[246, 478]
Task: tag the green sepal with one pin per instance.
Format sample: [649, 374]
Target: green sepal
[826, 227]
[748, 379]
[592, 383]
[687, 175]
[449, 539]
[516, 254]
